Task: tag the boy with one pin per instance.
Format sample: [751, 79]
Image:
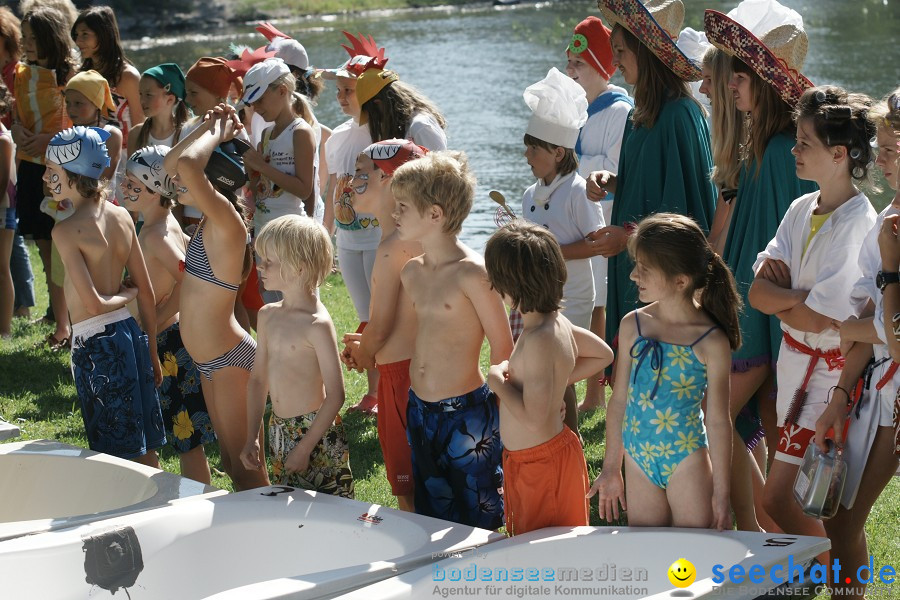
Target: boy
[148, 190]
[114, 363]
[545, 474]
[387, 340]
[452, 422]
[297, 364]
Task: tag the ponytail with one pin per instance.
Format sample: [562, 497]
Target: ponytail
[301, 108]
[719, 298]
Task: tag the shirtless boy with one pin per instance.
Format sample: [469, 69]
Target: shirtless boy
[452, 420]
[147, 189]
[114, 363]
[545, 474]
[297, 364]
[388, 339]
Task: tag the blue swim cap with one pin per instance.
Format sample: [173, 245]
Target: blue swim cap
[80, 150]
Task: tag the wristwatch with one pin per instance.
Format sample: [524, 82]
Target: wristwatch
[886, 278]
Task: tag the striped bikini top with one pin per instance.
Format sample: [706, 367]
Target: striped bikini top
[196, 262]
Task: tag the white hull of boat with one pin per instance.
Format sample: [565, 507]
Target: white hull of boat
[599, 562]
[315, 545]
[49, 485]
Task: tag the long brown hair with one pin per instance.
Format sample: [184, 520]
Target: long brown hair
[392, 109]
[111, 59]
[773, 115]
[676, 245]
[727, 122]
[656, 83]
[52, 41]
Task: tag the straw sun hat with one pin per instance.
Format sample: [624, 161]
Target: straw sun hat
[656, 24]
[776, 56]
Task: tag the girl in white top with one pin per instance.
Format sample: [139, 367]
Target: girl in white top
[589, 63]
[803, 277]
[162, 91]
[869, 445]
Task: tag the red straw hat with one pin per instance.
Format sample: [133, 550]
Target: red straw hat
[776, 57]
[591, 43]
[656, 24]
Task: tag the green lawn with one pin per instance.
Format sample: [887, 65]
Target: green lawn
[37, 393]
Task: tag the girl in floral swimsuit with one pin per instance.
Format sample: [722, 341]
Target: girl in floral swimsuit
[655, 423]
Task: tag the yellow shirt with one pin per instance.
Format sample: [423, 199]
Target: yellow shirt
[815, 224]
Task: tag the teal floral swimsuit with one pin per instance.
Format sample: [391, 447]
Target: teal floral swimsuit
[663, 417]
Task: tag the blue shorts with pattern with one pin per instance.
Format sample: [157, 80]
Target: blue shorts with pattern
[456, 458]
[114, 381]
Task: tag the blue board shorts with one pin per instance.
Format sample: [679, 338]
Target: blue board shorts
[114, 381]
[457, 458]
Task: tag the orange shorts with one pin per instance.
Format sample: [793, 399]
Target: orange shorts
[393, 396]
[251, 298]
[545, 486]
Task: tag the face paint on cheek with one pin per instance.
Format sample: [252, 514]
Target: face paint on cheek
[362, 187]
[181, 189]
[54, 179]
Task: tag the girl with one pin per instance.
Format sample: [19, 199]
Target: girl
[90, 103]
[7, 215]
[675, 477]
[665, 160]
[557, 200]
[162, 90]
[871, 446]
[286, 163]
[96, 33]
[209, 172]
[799, 282]
[590, 64]
[41, 114]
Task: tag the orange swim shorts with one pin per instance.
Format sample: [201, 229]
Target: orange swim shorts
[393, 396]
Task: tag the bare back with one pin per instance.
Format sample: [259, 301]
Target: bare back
[399, 344]
[293, 371]
[104, 236]
[449, 334]
[539, 366]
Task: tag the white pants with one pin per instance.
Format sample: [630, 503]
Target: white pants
[356, 268]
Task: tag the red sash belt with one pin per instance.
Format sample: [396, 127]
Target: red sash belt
[833, 360]
[888, 375]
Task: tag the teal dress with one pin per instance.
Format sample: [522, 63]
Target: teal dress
[760, 205]
[661, 169]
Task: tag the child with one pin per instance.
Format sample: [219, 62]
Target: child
[41, 114]
[656, 424]
[452, 422]
[286, 163]
[871, 449]
[590, 64]
[7, 215]
[90, 104]
[799, 281]
[297, 364]
[114, 363]
[209, 171]
[557, 200]
[545, 475]
[148, 190]
[387, 341]
[162, 100]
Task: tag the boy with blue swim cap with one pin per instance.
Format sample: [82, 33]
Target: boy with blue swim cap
[114, 363]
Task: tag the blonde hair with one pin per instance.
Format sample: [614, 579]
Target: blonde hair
[300, 104]
[886, 112]
[727, 121]
[438, 178]
[300, 244]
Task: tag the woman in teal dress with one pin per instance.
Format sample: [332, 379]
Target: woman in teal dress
[665, 160]
[767, 85]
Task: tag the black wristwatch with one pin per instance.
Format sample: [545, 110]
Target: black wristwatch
[886, 278]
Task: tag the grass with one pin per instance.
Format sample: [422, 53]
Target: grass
[37, 393]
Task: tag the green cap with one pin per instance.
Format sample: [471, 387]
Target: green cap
[170, 76]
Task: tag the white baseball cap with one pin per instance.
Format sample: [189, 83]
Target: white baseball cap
[261, 76]
[290, 51]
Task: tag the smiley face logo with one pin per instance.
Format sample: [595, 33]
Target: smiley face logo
[682, 573]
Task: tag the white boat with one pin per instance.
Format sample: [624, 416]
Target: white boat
[49, 485]
[8, 430]
[603, 562]
[311, 545]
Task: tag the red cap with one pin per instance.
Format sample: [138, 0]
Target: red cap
[213, 75]
[591, 43]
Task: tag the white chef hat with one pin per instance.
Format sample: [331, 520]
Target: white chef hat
[559, 109]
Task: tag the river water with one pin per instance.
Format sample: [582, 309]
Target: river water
[474, 62]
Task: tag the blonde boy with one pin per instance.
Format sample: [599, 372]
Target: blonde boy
[388, 338]
[147, 189]
[114, 363]
[297, 363]
[452, 421]
[545, 474]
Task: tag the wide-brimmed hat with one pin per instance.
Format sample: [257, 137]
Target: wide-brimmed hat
[656, 24]
[776, 57]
